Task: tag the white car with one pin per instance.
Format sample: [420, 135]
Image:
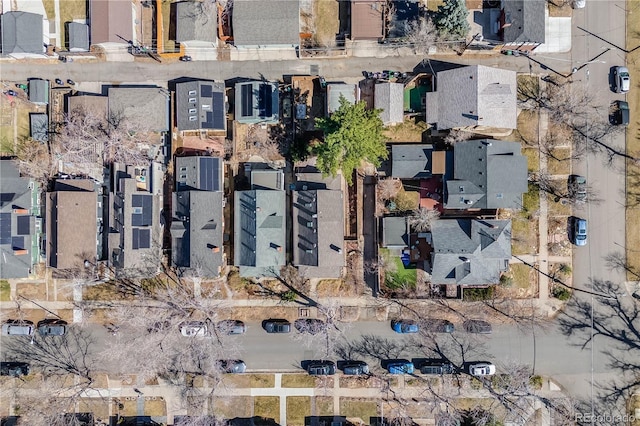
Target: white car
[482, 369]
[193, 329]
[622, 80]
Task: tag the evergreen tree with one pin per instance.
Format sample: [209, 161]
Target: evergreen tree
[451, 19]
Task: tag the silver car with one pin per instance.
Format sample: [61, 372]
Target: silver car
[18, 328]
[622, 80]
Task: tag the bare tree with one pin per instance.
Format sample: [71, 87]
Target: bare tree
[560, 191]
[34, 160]
[422, 219]
[457, 135]
[422, 34]
[388, 188]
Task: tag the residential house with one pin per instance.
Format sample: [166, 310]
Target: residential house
[111, 22]
[77, 37]
[473, 97]
[395, 232]
[198, 221]
[522, 24]
[200, 106]
[38, 91]
[39, 126]
[195, 25]
[266, 24]
[22, 33]
[73, 216]
[470, 252]
[267, 178]
[147, 108]
[337, 90]
[389, 97]
[367, 20]
[257, 101]
[487, 174]
[16, 222]
[414, 161]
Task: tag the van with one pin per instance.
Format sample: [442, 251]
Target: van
[621, 115]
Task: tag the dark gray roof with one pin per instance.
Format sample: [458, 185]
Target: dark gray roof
[39, 91]
[313, 179]
[266, 22]
[411, 161]
[318, 233]
[193, 24]
[39, 126]
[200, 105]
[335, 90]
[488, 174]
[267, 179]
[144, 106]
[527, 19]
[16, 225]
[476, 96]
[21, 33]
[203, 173]
[395, 231]
[389, 97]
[257, 101]
[78, 36]
[470, 252]
[196, 232]
[260, 231]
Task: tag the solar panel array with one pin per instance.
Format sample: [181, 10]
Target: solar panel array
[209, 173]
[140, 238]
[146, 203]
[5, 228]
[246, 93]
[24, 225]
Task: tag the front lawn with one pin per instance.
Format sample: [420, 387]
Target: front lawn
[397, 275]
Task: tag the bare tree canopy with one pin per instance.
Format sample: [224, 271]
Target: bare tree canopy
[422, 219]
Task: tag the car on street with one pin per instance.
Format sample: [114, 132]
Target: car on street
[15, 369]
[477, 327]
[193, 329]
[580, 232]
[437, 367]
[621, 113]
[18, 328]
[185, 58]
[438, 326]
[404, 326]
[355, 368]
[232, 366]
[400, 366]
[66, 59]
[309, 325]
[71, 82]
[52, 327]
[622, 80]
[482, 369]
[321, 368]
[59, 82]
[276, 325]
[577, 188]
[231, 327]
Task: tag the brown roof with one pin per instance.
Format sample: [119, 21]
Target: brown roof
[366, 19]
[71, 228]
[89, 104]
[110, 19]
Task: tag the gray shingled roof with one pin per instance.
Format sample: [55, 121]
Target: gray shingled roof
[318, 233]
[476, 96]
[144, 106]
[395, 231]
[199, 172]
[260, 231]
[527, 19]
[267, 179]
[192, 24]
[488, 174]
[39, 91]
[196, 232]
[21, 33]
[78, 37]
[470, 252]
[200, 105]
[335, 90]
[15, 225]
[257, 102]
[39, 126]
[389, 97]
[266, 22]
[411, 161]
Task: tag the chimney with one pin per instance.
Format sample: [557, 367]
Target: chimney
[20, 211]
[215, 249]
[20, 252]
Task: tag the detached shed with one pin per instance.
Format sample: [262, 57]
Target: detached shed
[335, 90]
[39, 91]
[389, 97]
[39, 127]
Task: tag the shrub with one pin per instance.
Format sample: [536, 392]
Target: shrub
[561, 293]
[536, 382]
[477, 294]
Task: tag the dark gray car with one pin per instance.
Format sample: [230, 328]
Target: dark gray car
[354, 368]
[15, 369]
[231, 327]
[52, 327]
[277, 325]
[321, 368]
[477, 326]
[437, 367]
[438, 326]
[232, 366]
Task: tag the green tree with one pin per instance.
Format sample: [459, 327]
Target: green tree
[451, 19]
[351, 134]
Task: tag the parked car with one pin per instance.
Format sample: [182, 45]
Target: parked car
[438, 326]
[354, 368]
[400, 366]
[621, 113]
[17, 328]
[580, 232]
[66, 59]
[193, 329]
[59, 82]
[309, 325]
[622, 80]
[71, 82]
[11, 92]
[185, 58]
[477, 326]
[276, 325]
[577, 188]
[232, 366]
[52, 327]
[437, 367]
[321, 368]
[481, 369]
[231, 327]
[15, 369]
[404, 326]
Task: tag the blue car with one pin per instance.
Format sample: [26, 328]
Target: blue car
[400, 366]
[404, 326]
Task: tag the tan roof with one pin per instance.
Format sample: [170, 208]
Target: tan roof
[89, 104]
[366, 19]
[111, 20]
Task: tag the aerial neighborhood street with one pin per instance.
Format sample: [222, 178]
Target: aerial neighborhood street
[319, 212]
